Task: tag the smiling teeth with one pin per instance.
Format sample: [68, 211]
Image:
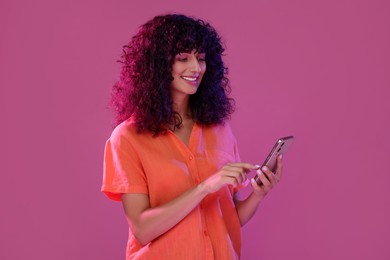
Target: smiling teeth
[189, 79]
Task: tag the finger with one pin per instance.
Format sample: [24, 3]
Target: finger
[241, 178]
[233, 171]
[255, 185]
[236, 172]
[264, 179]
[279, 167]
[270, 175]
[233, 177]
[244, 179]
[230, 180]
[238, 167]
[246, 182]
[234, 168]
[248, 166]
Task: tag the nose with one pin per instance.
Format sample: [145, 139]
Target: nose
[195, 66]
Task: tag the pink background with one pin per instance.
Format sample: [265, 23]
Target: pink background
[318, 70]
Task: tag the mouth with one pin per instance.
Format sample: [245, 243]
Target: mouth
[190, 79]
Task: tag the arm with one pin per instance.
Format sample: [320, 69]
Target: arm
[148, 223]
[247, 208]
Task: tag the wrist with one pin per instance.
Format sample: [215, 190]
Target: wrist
[257, 196]
[202, 189]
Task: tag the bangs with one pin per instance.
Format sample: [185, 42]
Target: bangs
[188, 45]
[190, 37]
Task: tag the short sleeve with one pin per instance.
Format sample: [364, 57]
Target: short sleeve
[122, 168]
[234, 151]
[237, 159]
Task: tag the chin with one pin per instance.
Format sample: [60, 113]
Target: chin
[193, 91]
[186, 91]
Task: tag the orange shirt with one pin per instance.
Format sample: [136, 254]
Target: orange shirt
[163, 167]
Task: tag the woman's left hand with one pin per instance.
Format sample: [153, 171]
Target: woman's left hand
[269, 181]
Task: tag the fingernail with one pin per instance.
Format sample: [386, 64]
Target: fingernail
[258, 172]
[280, 156]
[246, 182]
[253, 180]
[257, 166]
[265, 168]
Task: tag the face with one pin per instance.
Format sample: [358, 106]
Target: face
[187, 71]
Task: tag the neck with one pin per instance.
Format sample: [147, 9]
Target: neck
[180, 105]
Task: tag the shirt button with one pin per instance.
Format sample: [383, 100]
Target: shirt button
[191, 157]
[205, 233]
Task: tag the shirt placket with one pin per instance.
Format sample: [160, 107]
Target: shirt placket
[193, 169]
[196, 178]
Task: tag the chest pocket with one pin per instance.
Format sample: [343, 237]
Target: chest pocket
[167, 178]
[217, 159]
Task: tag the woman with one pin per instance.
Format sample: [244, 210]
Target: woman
[172, 160]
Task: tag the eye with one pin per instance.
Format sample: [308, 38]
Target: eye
[202, 57]
[181, 57]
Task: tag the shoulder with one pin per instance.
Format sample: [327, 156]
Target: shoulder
[125, 132]
[222, 129]
[221, 134]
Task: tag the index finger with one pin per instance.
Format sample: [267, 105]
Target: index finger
[245, 165]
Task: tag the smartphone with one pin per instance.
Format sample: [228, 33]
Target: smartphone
[281, 146]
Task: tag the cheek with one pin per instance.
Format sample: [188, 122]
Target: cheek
[203, 68]
[176, 69]
[175, 75]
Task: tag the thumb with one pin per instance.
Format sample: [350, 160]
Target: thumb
[246, 182]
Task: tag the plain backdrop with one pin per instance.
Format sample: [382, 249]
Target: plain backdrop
[318, 70]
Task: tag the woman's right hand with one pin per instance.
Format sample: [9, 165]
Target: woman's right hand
[231, 173]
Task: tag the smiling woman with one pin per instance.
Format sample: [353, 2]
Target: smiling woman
[172, 160]
[187, 72]
[165, 49]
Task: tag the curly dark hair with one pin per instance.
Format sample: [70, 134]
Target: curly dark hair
[143, 91]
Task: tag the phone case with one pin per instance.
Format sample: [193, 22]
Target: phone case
[281, 146]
